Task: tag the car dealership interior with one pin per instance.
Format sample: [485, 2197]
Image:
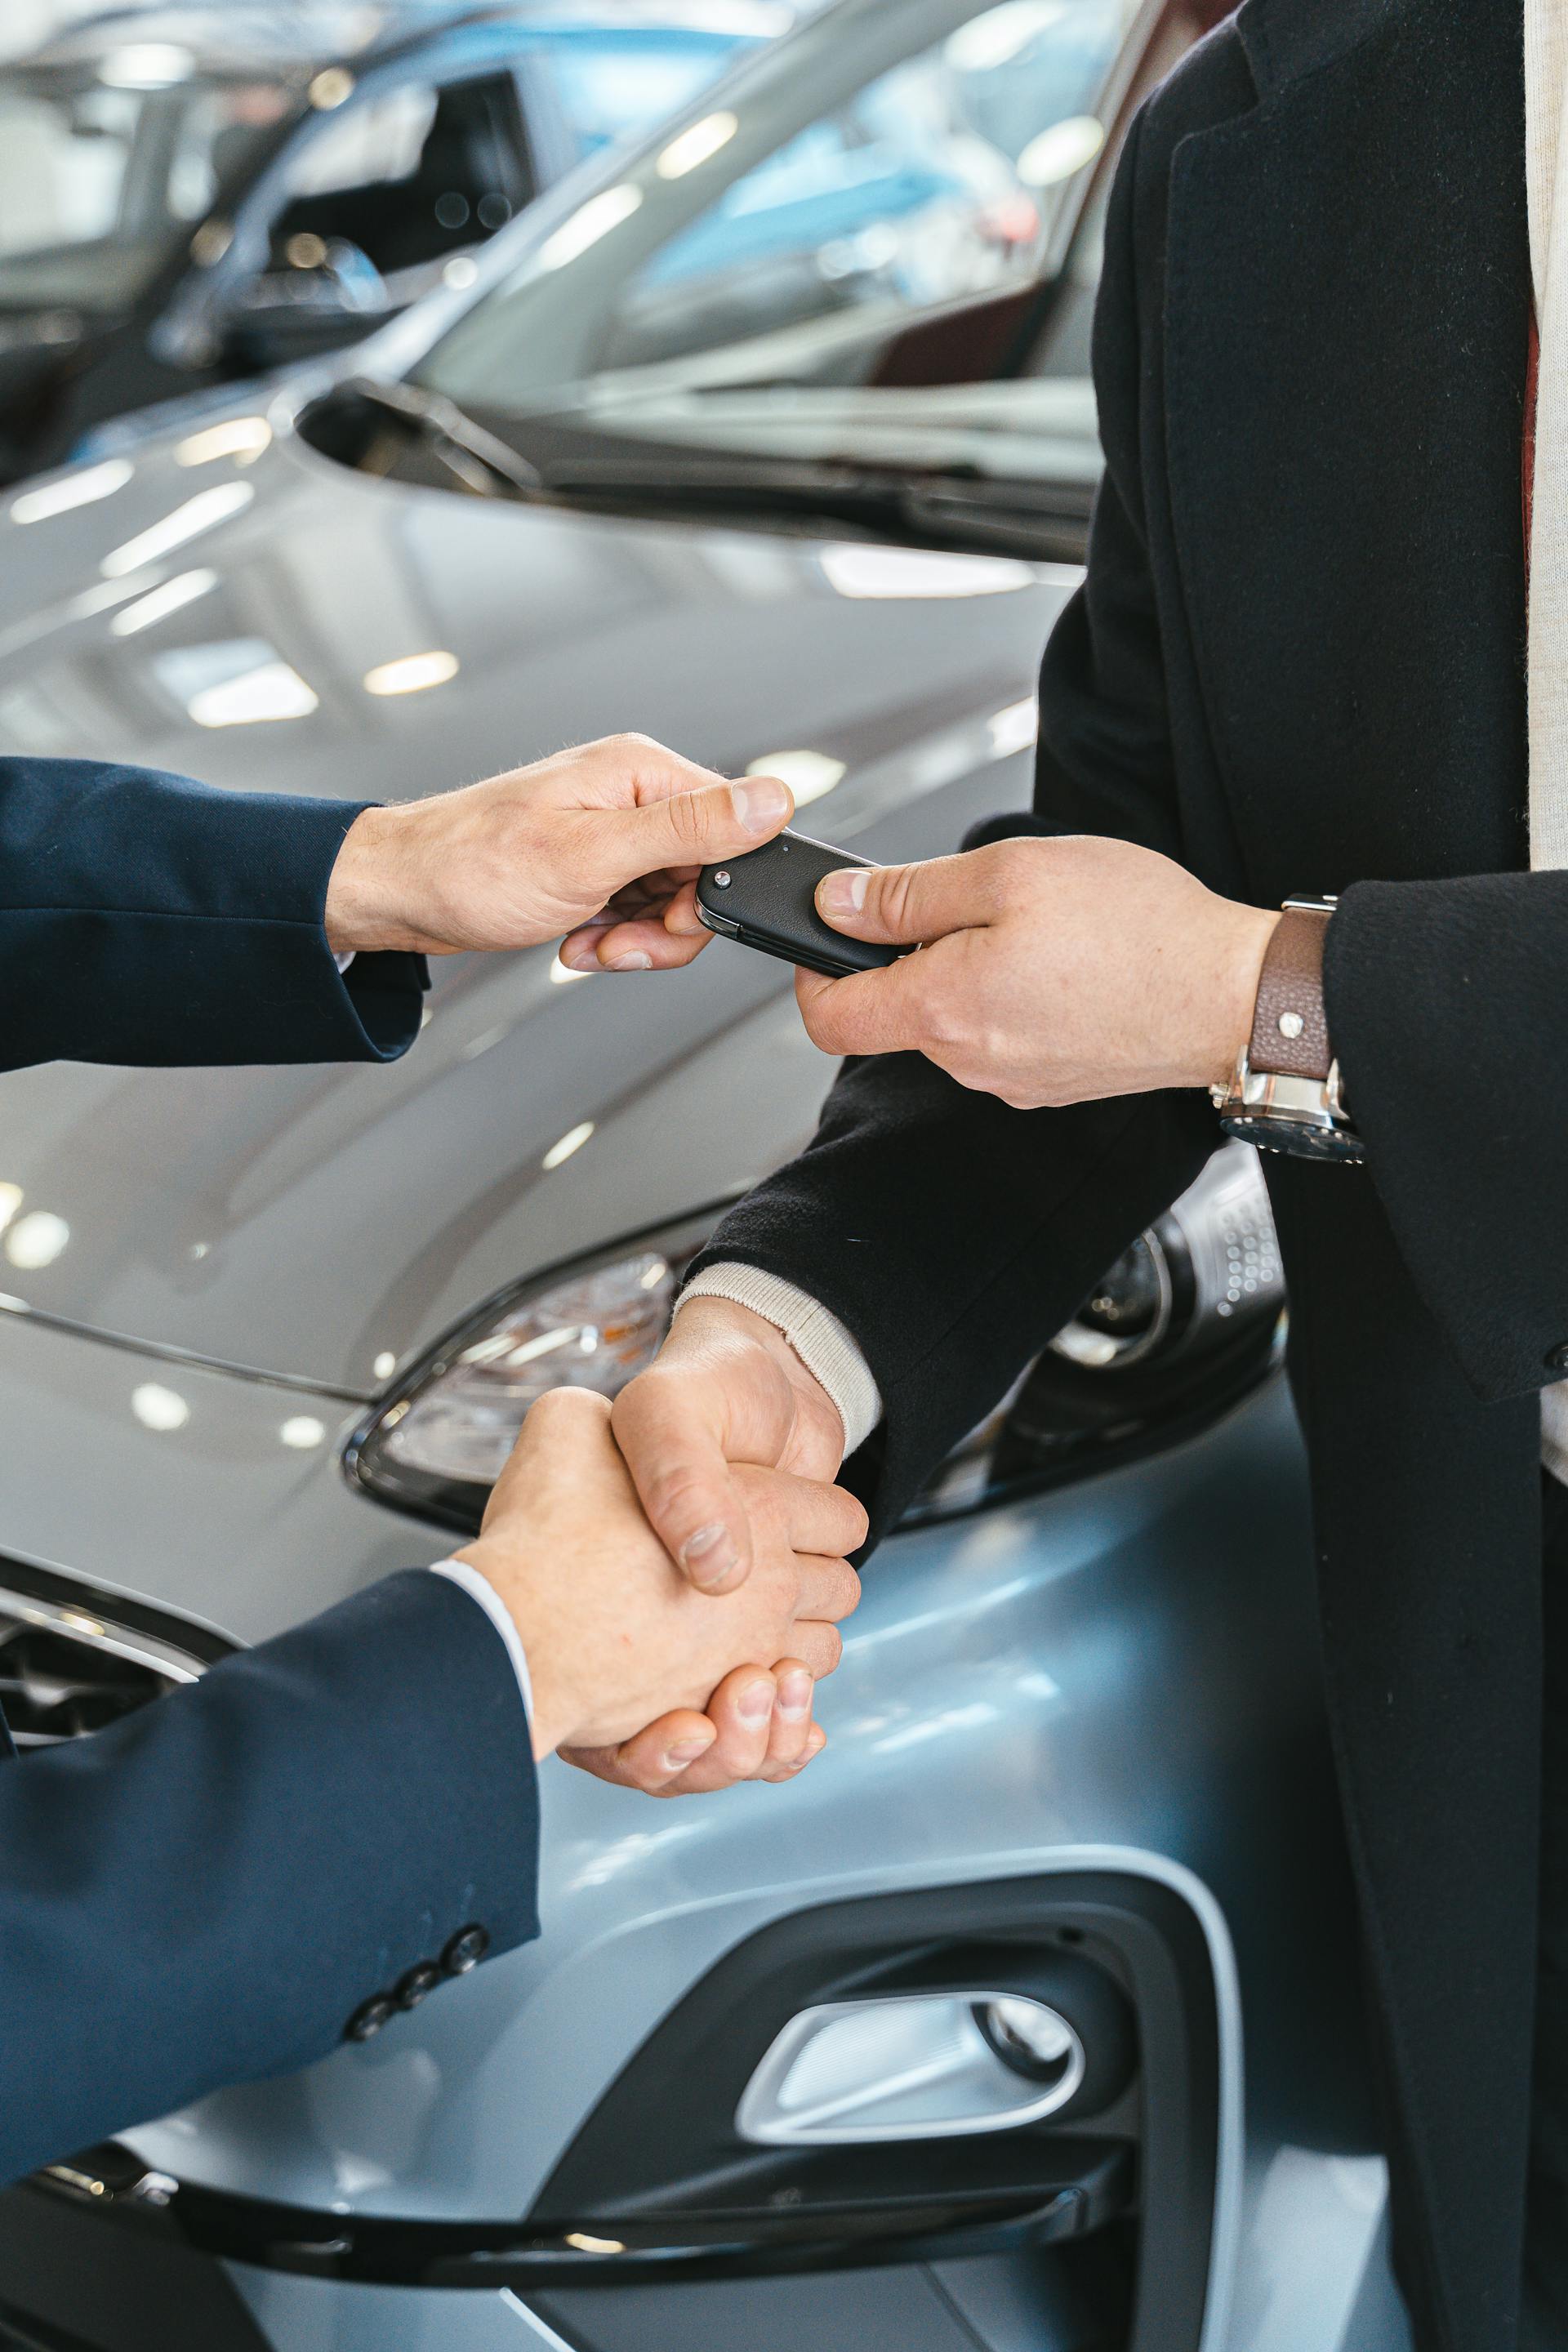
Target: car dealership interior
[471, 471]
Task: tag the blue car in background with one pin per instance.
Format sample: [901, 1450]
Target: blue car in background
[193, 196]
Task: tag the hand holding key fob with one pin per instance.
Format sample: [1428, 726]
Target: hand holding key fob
[767, 900]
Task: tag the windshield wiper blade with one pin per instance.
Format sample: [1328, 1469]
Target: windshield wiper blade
[476, 456]
[960, 502]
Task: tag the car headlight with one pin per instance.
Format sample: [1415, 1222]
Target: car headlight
[437, 1444]
[1180, 1327]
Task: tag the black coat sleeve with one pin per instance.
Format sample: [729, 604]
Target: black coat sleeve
[147, 919]
[951, 1234]
[206, 1893]
[1447, 1004]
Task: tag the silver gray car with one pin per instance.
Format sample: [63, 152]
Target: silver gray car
[1029, 2019]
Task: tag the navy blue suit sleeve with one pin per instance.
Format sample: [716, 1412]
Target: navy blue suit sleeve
[147, 919]
[205, 1893]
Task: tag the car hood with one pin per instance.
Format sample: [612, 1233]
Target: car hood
[329, 1224]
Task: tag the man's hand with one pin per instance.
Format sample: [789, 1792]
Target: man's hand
[617, 1639]
[1050, 972]
[725, 1389]
[582, 843]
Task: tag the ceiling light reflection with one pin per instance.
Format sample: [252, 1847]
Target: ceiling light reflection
[146, 65]
[1017, 728]
[172, 597]
[891, 573]
[273, 690]
[1061, 151]
[692, 147]
[302, 1431]
[331, 88]
[593, 220]
[241, 437]
[1002, 33]
[10, 1202]
[808, 774]
[559, 1153]
[35, 1240]
[412, 673]
[78, 490]
[161, 1409]
[203, 512]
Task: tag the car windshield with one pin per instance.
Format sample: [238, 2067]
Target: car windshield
[110, 159]
[612, 82]
[876, 255]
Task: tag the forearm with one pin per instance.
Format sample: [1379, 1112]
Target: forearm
[208, 1892]
[148, 919]
[951, 1237]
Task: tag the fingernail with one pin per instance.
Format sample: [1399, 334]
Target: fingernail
[685, 1751]
[794, 1695]
[756, 1703]
[636, 962]
[760, 804]
[709, 1555]
[843, 893]
[584, 960]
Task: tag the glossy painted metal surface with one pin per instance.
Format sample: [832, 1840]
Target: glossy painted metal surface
[1116, 1666]
[406, 1195]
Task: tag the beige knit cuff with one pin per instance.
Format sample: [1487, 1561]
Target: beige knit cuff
[815, 1334]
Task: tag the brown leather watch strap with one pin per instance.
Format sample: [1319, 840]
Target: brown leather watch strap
[1290, 1028]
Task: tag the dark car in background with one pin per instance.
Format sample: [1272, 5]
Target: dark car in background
[195, 194]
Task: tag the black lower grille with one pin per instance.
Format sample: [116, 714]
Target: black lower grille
[74, 1660]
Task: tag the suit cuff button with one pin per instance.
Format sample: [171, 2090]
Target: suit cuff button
[368, 2018]
[417, 1985]
[466, 1950]
[1557, 1357]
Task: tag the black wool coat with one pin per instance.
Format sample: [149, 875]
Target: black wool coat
[1298, 665]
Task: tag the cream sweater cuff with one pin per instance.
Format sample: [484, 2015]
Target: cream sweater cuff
[815, 1334]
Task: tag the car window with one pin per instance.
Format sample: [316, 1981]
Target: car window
[608, 85]
[376, 138]
[937, 181]
[755, 284]
[405, 176]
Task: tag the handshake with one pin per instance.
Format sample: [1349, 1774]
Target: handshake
[675, 1564]
[675, 1570]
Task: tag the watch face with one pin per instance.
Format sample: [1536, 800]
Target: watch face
[1298, 1137]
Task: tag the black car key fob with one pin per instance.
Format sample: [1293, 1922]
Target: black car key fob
[767, 900]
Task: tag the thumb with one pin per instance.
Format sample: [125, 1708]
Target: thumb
[672, 1432]
[695, 828]
[902, 905]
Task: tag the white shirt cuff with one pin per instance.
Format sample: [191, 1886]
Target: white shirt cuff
[343, 961]
[817, 1337]
[480, 1588]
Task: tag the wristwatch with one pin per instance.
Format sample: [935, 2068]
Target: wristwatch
[1285, 1093]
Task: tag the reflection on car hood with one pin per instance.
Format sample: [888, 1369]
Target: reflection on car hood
[327, 1222]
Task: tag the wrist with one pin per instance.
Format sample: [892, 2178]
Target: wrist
[362, 914]
[557, 1710]
[1243, 945]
